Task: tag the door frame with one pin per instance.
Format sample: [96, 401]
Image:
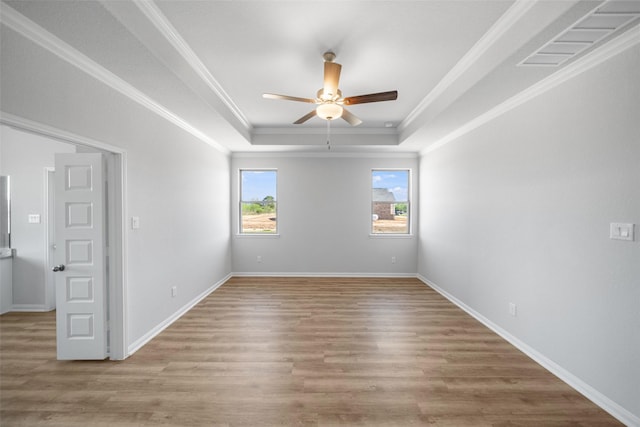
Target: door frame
[49, 239]
[117, 232]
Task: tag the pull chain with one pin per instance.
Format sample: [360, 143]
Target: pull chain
[328, 134]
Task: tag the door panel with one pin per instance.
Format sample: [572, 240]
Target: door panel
[80, 239]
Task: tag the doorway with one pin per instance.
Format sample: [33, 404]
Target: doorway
[115, 269]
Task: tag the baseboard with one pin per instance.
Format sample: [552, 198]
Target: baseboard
[617, 411]
[140, 342]
[30, 307]
[307, 274]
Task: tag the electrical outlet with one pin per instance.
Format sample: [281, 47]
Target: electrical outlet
[174, 291]
[259, 258]
[513, 309]
[393, 260]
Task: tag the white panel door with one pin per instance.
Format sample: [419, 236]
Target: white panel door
[81, 303]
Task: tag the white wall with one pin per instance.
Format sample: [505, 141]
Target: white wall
[324, 212]
[24, 156]
[519, 211]
[176, 184]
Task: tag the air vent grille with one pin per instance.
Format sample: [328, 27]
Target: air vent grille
[605, 20]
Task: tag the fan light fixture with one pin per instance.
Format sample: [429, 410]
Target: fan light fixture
[329, 111]
[329, 98]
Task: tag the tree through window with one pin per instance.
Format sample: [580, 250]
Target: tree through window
[258, 201]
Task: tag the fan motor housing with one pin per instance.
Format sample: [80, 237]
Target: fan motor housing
[329, 56]
[328, 97]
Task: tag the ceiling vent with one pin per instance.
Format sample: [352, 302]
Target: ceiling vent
[586, 33]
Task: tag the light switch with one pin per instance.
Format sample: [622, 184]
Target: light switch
[135, 222]
[621, 231]
[34, 219]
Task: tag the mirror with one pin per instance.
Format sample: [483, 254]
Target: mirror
[5, 212]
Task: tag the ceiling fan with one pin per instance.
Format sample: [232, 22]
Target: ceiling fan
[329, 98]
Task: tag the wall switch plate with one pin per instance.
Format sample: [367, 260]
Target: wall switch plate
[513, 309]
[259, 258]
[393, 260]
[621, 231]
[34, 219]
[174, 291]
[135, 222]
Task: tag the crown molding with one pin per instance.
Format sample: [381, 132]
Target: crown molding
[31, 126]
[323, 131]
[495, 33]
[617, 45]
[30, 30]
[321, 154]
[151, 11]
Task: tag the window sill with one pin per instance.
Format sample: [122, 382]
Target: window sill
[390, 236]
[258, 235]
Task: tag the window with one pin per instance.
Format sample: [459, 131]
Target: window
[390, 201]
[258, 202]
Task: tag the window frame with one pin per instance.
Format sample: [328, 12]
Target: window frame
[408, 202]
[241, 202]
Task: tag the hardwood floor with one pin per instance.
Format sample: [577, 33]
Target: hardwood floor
[293, 351]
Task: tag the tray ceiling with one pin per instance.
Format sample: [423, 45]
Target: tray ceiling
[207, 63]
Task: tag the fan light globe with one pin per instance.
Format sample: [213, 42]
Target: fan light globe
[329, 111]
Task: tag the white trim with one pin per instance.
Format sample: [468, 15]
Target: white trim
[49, 284]
[617, 411]
[118, 281]
[346, 154]
[621, 43]
[323, 131]
[55, 133]
[239, 231]
[162, 24]
[391, 235]
[56, 46]
[409, 234]
[307, 274]
[118, 308]
[495, 33]
[140, 342]
[259, 235]
[29, 308]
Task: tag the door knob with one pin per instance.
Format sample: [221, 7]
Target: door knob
[58, 267]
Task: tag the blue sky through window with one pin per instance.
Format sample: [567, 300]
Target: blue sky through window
[396, 181]
[258, 184]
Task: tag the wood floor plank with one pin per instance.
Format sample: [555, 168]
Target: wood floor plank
[293, 351]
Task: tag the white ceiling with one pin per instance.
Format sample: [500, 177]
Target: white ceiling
[208, 62]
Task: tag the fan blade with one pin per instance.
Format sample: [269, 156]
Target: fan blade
[288, 98]
[331, 78]
[371, 97]
[350, 118]
[305, 118]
